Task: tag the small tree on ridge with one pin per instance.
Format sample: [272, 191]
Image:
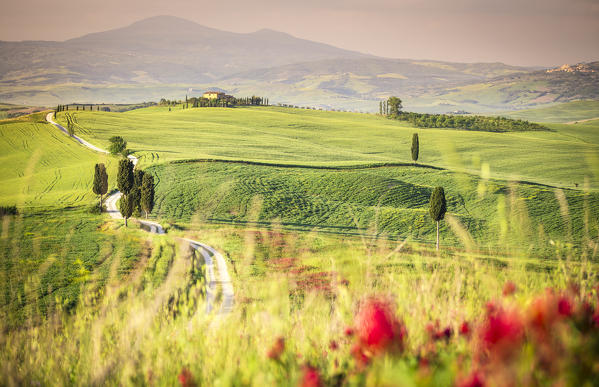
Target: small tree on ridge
[415, 147]
[438, 207]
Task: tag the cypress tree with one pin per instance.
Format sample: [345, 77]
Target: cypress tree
[147, 193]
[100, 181]
[97, 186]
[415, 147]
[126, 207]
[438, 207]
[135, 194]
[125, 178]
[104, 180]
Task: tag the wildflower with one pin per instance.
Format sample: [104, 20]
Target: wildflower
[277, 349]
[333, 345]
[378, 329]
[501, 333]
[186, 378]
[564, 306]
[311, 377]
[475, 379]
[465, 329]
[446, 333]
[509, 288]
[360, 355]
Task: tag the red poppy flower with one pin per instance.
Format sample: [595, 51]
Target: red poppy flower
[378, 329]
[277, 349]
[186, 378]
[502, 332]
[465, 329]
[564, 306]
[475, 379]
[333, 345]
[509, 288]
[311, 377]
[360, 355]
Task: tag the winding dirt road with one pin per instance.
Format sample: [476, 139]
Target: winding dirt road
[208, 253]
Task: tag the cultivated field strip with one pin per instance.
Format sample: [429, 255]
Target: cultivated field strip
[314, 138]
[390, 201]
[42, 170]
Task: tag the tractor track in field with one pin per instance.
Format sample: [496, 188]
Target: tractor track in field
[209, 254]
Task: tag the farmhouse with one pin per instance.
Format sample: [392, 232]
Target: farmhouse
[213, 95]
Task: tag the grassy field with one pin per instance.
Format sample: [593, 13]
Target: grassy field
[46, 256]
[561, 113]
[306, 290]
[563, 157]
[386, 201]
[42, 168]
[87, 302]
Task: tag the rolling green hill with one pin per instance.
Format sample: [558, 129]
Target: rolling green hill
[42, 168]
[563, 157]
[351, 173]
[389, 201]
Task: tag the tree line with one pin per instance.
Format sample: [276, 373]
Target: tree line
[76, 107]
[392, 108]
[136, 186]
[227, 101]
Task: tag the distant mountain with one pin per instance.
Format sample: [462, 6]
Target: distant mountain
[163, 56]
[162, 49]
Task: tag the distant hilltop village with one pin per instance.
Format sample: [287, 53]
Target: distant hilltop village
[579, 68]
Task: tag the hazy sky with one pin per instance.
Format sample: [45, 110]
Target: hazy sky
[522, 32]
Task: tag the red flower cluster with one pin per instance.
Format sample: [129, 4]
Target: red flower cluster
[501, 333]
[378, 330]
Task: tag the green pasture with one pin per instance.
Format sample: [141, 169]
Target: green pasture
[564, 157]
[302, 287]
[86, 301]
[46, 256]
[384, 201]
[41, 167]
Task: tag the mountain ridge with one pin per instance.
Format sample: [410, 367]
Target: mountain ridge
[153, 57]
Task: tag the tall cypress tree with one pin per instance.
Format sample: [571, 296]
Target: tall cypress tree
[135, 194]
[415, 147]
[125, 178]
[100, 186]
[125, 182]
[147, 194]
[97, 186]
[126, 207]
[104, 179]
[438, 207]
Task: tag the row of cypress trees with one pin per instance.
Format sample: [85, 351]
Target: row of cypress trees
[136, 186]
